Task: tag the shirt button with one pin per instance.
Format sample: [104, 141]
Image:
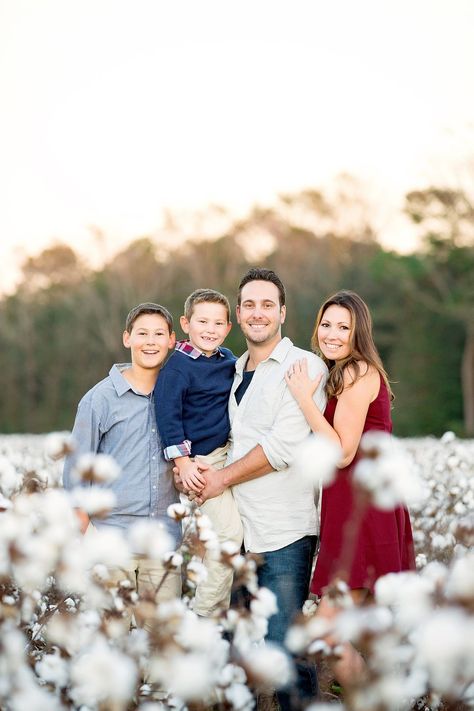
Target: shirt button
[153, 457]
[153, 430]
[154, 487]
[152, 514]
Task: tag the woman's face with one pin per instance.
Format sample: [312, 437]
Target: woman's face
[334, 333]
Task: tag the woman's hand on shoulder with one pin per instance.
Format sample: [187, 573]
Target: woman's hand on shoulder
[301, 386]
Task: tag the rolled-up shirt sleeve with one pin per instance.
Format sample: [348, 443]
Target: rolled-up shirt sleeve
[290, 428]
[86, 433]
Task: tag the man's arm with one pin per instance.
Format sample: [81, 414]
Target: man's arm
[278, 447]
[252, 465]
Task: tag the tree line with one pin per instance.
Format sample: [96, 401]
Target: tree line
[61, 330]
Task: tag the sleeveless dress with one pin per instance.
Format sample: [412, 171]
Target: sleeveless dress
[357, 544]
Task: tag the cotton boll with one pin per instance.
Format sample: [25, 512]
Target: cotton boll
[72, 571]
[211, 542]
[460, 583]
[264, 603]
[190, 677]
[297, 639]
[53, 669]
[150, 539]
[171, 609]
[96, 468]
[32, 569]
[10, 479]
[441, 542]
[317, 458]
[33, 698]
[239, 696]
[58, 444]
[385, 472]
[73, 632]
[392, 692]
[352, 625]
[94, 501]
[445, 648]
[268, 666]
[173, 560]
[231, 674]
[408, 594]
[203, 520]
[230, 548]
[436, 573]
[102, 674]
[249, 631]
[108, 546]
[309, 608]
[178, 511]
[58, 523]
[197, 634]
[196, 572]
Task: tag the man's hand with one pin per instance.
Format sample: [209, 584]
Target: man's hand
[190, 475]
[215, 483]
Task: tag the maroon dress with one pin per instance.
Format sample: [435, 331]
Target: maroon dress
[360, 544]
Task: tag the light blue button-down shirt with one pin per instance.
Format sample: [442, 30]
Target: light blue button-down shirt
[113, 418]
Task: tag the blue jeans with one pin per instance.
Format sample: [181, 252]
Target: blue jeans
[286, 572]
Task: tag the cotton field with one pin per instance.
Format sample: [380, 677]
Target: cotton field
[65, 642]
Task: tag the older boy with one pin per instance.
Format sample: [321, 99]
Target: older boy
[117, 417]
[195, 386]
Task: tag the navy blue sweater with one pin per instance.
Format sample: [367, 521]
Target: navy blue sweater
[191, 401]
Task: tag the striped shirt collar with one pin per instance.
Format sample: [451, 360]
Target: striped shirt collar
[188, 349]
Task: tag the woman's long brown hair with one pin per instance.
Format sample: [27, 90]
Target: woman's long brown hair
[361, 342]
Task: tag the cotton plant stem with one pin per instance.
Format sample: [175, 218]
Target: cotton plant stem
[185, 535]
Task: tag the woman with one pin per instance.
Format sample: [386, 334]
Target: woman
[378, 542]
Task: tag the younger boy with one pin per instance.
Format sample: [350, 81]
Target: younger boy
[191, 400]
[117, 417]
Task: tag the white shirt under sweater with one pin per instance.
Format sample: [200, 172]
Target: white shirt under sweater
[278, 508]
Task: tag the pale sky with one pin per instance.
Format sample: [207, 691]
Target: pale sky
[112, 111]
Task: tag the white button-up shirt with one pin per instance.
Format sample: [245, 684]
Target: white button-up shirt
[278, 508]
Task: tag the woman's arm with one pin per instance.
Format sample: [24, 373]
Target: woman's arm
[351, 408]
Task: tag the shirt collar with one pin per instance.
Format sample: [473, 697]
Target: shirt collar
[119, 382]
[279, 354]
[189, 350]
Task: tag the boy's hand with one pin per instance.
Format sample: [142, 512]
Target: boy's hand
[191, 477]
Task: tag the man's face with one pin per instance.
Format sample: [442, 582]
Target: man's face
[260, 315]
[149, 341]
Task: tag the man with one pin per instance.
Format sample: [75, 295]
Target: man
[277, 505]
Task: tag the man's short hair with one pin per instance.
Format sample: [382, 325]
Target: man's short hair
[148, 308]
[201, 296]
[261, 274]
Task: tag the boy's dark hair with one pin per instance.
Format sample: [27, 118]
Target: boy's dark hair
[148, 308]
[261, 274]
[201, 296]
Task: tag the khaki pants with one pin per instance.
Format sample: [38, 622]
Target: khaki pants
[146, 575]
[213, 594]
